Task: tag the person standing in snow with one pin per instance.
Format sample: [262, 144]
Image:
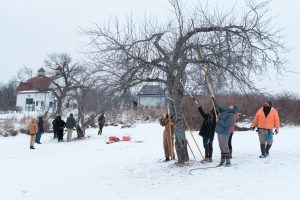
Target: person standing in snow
[266, 119]
[59, 126]
[33, 129]
[40, 130]
[70, 125]
[168, 136]
[224, 124]
[55, 128]
[207, 131]
[101, 122]
[232, 130]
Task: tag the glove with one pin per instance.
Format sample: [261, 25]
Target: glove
[253, 128]
[276, 131]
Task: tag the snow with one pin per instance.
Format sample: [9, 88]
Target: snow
[91, 169]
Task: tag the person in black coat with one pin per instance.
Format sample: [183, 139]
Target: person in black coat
[207, 131]
[58, 127]
[40, 130]
[101, 122]
[55, 128]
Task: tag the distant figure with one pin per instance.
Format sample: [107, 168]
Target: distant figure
[207, 131]
[40, 130]
[225, 121]
[70, 125]
[168, 136]
[59, 126]
[33, 129]
[101, 122]
[266, 119]
[232, 130]
[55, 128]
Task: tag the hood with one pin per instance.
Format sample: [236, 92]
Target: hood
[236, 109]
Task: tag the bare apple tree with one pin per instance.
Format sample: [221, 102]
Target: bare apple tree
[235, 46]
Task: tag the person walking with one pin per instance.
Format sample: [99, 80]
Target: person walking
[224, 123]
[55, 128]
[266, 119]
[232, 130]
[59, 126]
[33, 129]
[40, 130]
[70, 125]
[101, 122]
[207, 131]
[168, 136]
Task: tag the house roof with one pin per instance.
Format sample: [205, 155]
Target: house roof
[151, 90]
[39, 83]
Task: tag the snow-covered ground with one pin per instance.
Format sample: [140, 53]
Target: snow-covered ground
[92, 169]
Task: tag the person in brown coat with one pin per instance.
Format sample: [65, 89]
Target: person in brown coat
[168, 136]
[33, 129]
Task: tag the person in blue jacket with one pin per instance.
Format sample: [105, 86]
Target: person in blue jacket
[223, 129]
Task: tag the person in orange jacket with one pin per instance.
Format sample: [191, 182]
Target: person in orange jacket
[168, 136]
[266, 119]
[33, 129]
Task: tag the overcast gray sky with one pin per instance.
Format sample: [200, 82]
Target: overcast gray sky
[31, 29]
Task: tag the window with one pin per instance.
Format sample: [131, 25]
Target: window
[29, 101]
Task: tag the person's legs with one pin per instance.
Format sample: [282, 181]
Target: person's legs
[223, 144]
[32, 140]
[166, 146]
[38, 137]
[262, 133]
[69, 134]
[269, 141]
[210, 150]
[230, 144]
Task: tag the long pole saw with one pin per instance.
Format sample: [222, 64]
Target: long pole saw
[170, 134]
[196, 102]
[209, 86]
[192, 136]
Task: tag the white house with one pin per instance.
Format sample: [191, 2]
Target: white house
[151, 96]
[35, 94]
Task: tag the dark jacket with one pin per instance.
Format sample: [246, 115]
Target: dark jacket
[209, 124]
[71, 122]
[226, 119]
[101, 120]
[58, 125]
[41, 125]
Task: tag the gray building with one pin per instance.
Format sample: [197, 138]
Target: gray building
[151, 96]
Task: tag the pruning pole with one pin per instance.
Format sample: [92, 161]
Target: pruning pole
[170, 133]
[192, 136]
[191, 150]
[209, 86]
[196, 102]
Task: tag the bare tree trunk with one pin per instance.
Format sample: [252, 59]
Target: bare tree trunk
[179, 130]
[59, 105]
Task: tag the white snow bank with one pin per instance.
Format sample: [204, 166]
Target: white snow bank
[92, 169]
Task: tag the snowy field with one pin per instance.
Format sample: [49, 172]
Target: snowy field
[94, 170]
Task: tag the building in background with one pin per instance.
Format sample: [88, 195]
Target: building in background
[35, 94]
[152, 96]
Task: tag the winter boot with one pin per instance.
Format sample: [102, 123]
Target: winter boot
[210, 159]
[167, 159]
[222, 162]
[31, 147]
[263, 151]
[227, 160]
[268, 149]
[205, 160]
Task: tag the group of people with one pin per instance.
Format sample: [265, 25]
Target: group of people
[36, 128]
[222, 121]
